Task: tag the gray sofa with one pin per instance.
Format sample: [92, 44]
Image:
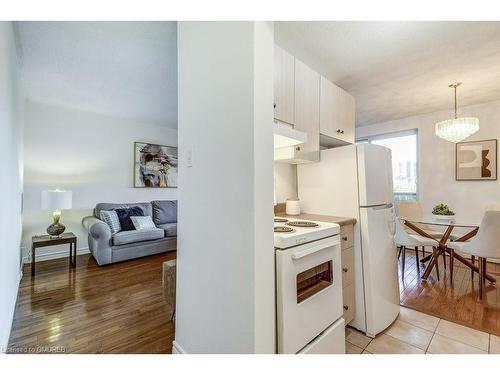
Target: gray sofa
[124, 245]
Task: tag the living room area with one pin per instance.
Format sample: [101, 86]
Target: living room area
[92, 154]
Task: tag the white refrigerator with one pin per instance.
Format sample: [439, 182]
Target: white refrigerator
[356, 181]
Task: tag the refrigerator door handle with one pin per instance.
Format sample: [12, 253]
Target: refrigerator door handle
[382, 207]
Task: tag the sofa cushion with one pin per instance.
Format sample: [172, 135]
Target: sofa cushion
[145, 207]
[124, 215]
[131, 236]
[169, 228]
[164, 212]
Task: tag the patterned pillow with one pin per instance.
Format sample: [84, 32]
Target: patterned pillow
[143, 222]
[124, 216]
[111, 218]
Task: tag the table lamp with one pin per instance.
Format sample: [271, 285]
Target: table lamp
[56, 200]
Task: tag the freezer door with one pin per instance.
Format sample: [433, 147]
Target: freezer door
[380, 268]
[374, 174]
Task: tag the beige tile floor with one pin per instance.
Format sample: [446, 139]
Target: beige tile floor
[414, 332]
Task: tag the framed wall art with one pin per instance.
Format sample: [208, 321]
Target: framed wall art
[155, 166]
[476, 160]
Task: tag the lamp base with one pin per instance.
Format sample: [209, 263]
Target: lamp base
[55, 230]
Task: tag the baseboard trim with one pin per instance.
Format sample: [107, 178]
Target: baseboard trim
[56, 255]
[177, 349]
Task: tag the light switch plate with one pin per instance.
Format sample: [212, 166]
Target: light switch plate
[189, 158]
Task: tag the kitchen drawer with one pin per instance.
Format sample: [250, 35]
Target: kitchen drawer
[346, 236]
[348, 302]
[347, 267]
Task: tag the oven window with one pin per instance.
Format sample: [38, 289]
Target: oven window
[313, 280]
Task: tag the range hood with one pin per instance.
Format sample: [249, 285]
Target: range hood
[286, 136]
[286, 149]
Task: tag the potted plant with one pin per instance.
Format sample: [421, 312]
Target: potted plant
[442, 212]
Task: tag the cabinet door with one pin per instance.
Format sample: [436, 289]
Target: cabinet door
[347, 113]
[349, 303]
[284, 86]
[307, 86]
[337, 111]
[347, 267]
[327, 109]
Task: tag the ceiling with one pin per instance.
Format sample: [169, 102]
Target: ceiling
[124, 69]
[400, 69]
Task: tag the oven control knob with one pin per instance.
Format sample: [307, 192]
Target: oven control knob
[344, 238]
[345, 269]
[346, 307]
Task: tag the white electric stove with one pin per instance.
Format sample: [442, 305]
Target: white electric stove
[292, 232]
[308, 287]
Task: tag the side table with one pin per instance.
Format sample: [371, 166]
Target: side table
[43, 241]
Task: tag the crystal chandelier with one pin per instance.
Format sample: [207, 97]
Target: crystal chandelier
[457, 129]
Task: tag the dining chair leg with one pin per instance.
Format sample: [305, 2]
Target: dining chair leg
[423, 251]
[473, 259]
[481, 270]
[436, 254]
[403, 261]
[452, 256]
[399, 251]
[444, 259]
[416, 259]
[485, 263]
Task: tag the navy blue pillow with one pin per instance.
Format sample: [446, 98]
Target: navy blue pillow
[124, 216]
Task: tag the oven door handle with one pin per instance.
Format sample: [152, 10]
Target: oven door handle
[304, 253]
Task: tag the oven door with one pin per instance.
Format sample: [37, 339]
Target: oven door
[309, 292]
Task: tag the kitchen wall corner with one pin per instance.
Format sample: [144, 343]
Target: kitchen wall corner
[285, 177]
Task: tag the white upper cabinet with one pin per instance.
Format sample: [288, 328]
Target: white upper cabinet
[337, 114]
[307, 105]
[284, 86]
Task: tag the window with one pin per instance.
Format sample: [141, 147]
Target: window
[404, 161]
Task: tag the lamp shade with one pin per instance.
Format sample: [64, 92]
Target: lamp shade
[57, 200]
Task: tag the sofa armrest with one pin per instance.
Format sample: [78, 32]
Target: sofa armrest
[98, 229]
[99, 239]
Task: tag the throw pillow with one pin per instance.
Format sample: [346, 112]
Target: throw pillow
[111, 218]
[124, 216]
[164, 212]
[142, 222]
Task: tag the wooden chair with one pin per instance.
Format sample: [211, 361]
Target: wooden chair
[486, 244]
[405, 240]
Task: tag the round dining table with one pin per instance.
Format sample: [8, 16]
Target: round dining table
[469, 225]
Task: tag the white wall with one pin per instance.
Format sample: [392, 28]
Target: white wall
[437, 159]
[10, 178]
[88, 153]
[225, 282]
[285, 181]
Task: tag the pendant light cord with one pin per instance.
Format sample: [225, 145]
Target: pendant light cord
[455, 102]
[455, 85]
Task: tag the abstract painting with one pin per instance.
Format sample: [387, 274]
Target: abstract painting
[476, 160]
[155, 166]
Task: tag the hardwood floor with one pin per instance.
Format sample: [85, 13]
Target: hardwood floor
[457, 303]
[118, 308]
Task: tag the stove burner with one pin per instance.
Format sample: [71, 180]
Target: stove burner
[282, 229]
[302, 224]
[280, 220]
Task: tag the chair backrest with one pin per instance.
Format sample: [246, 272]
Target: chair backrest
[486, 243]
[409, 209]
[401, 236]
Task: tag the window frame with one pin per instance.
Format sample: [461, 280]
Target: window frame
[396, 134]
